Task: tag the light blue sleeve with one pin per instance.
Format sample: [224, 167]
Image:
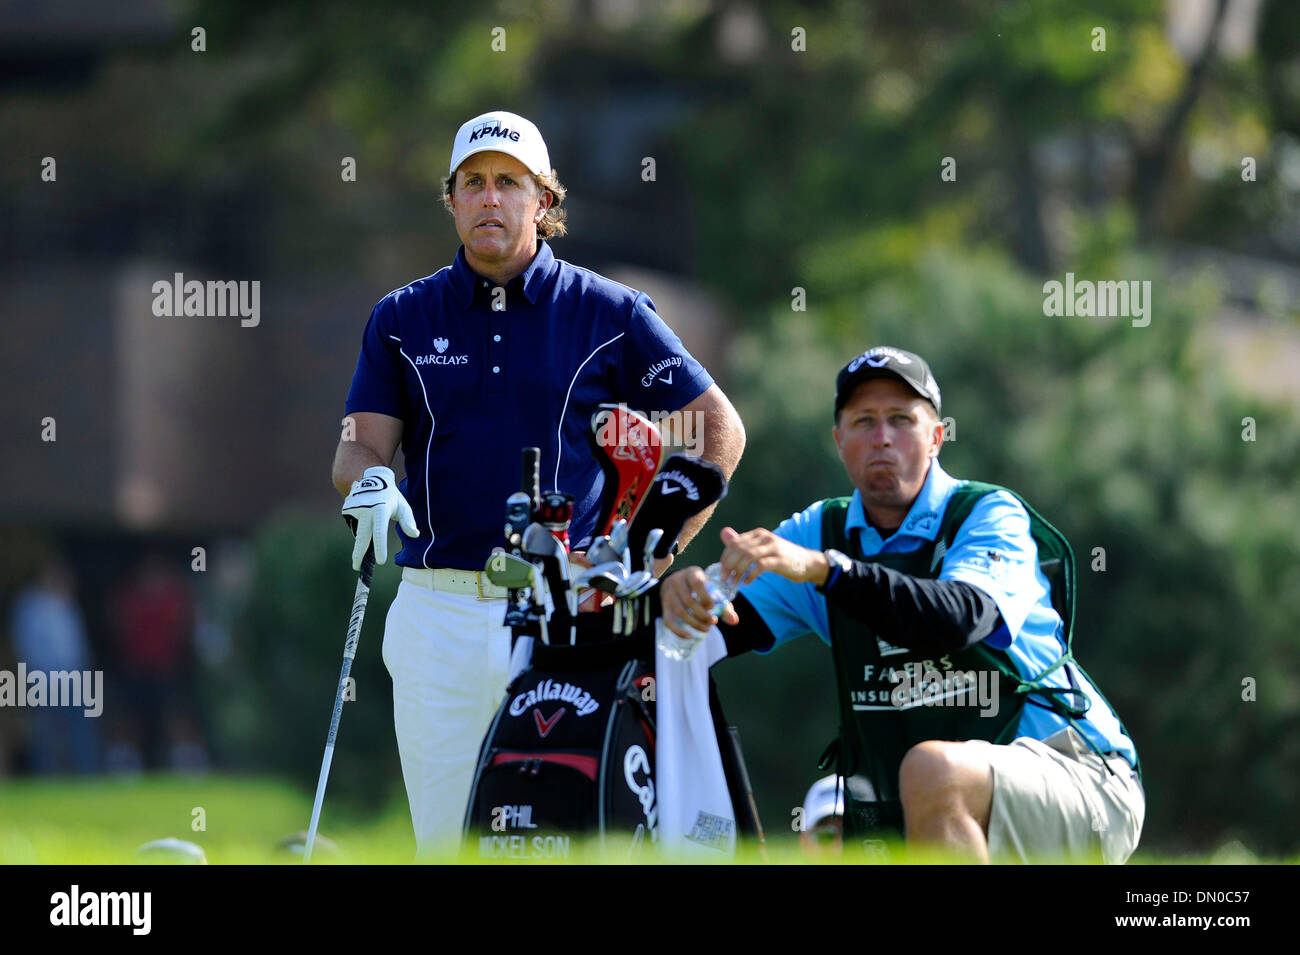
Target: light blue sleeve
[792, 610]
[994, 551]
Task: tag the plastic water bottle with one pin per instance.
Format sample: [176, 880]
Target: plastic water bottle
[719, 589]
[721, 592]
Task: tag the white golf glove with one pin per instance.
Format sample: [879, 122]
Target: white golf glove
[371, 504]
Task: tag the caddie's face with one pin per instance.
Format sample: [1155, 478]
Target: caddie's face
[886, 436]
[497, 206]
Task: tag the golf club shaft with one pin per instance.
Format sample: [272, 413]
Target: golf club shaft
[359, 600]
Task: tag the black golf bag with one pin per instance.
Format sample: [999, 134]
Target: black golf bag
[571, 753]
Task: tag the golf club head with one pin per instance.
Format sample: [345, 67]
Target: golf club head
[603, 556]
[509, 571]
[618, 538]
[633, 583]
[683, 488]
[628, 447]
[539, 542]
[608, 581]
[556, 513]
[552, 557]
[647, 555]
[600, 552]
[539, 611]
[611, 569]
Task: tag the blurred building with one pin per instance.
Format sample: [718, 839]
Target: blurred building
[119, 418]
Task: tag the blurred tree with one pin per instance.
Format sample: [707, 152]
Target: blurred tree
[1129, 438]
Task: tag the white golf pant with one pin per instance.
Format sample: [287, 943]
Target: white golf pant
[449, 656]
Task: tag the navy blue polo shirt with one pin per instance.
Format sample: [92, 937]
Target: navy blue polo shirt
[476, 374]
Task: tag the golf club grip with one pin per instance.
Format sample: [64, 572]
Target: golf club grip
[531, 483]
[359, 600]
[368, 565]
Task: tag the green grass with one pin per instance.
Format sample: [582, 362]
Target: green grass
[243, 819]
[104, 821]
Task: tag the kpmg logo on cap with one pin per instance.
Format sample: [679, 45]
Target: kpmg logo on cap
[879, 358]
[493, 128]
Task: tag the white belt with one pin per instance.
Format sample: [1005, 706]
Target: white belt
[471, 582]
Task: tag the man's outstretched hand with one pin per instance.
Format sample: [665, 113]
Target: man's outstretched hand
[746, 556]
[684, 596]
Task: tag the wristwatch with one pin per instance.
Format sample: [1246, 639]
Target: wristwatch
[840, 562]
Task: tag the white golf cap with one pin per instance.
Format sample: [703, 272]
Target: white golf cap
[825, 798]
[502, 132]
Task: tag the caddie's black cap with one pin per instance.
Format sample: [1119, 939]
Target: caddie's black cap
[885, 362]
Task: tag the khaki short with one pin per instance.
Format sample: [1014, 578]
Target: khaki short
[1054, 801]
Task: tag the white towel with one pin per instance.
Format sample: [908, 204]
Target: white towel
[696, 817]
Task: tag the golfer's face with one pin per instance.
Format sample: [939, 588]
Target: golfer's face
[886, 436]
[497, 206]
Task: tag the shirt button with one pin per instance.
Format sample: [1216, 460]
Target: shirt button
[496, 369]
[496, 338]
